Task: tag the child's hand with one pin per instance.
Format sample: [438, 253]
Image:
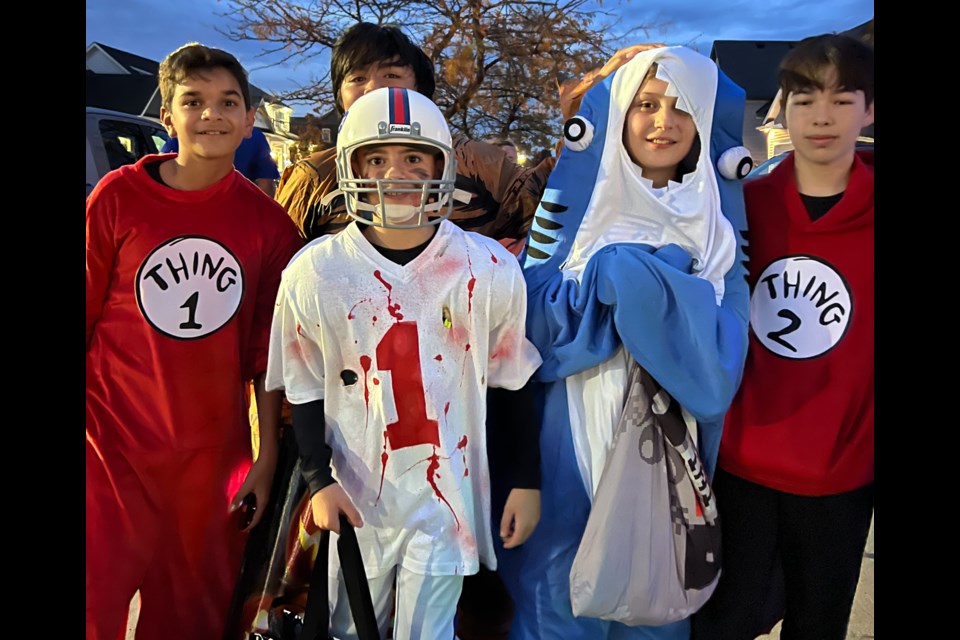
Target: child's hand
[573, 90]
[327, 505]
[520, 517]
[258, 482]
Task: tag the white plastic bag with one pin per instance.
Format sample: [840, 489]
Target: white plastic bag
[650, 553]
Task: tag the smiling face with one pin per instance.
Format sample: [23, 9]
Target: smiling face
[208, 116]
[824, 123]
[657, 135]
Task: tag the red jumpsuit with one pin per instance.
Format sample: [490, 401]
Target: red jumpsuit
[180, 294]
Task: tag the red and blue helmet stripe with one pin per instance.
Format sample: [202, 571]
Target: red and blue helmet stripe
[399, 106]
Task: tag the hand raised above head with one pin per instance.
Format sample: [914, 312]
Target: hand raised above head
[573, 90]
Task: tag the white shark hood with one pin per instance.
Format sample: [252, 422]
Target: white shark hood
[625, 207]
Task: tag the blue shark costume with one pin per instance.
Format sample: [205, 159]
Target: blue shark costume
[618, 270]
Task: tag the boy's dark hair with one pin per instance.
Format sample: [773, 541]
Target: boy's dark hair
[364, 43]
[195, 57]
[808, 64]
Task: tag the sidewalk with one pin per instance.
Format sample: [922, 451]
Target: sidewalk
[861, 618]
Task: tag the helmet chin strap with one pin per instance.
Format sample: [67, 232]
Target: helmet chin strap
[399, 213]
[459, 195]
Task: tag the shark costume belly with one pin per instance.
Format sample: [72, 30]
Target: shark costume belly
[620, 271]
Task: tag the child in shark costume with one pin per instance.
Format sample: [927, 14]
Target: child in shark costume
[620, 271]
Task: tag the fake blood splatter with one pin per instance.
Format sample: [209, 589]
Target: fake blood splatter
[431, 472]
[492, 257]
[438, 358]
[393, 309]
[383, 464]
[470, 285]
[295, 350]
[462, 445]
[463, 369]
[399, 353]
[365, 363]
[350, 315]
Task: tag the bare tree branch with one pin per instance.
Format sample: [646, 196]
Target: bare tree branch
[499, 63]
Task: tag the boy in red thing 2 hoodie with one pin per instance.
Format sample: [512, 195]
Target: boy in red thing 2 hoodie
[795, 478]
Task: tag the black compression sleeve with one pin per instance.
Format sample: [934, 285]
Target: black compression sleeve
[309, 428]
[518, 443]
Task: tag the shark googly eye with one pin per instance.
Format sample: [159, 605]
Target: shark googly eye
[577, 133]
[735, 163]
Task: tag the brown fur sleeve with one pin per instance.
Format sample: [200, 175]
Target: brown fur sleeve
[508, 191]
[302, 187]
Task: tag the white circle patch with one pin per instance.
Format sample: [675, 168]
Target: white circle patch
[190, 287]
[800, 307]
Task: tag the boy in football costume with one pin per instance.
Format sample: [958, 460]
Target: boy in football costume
[385, 339]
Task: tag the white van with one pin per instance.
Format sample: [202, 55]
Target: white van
[115, 139]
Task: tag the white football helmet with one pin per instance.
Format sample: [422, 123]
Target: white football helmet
[398, 116]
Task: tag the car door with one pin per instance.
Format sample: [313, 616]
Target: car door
[116, 142]
[124, 142]
[154, 136]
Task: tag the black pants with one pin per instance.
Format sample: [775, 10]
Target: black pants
[818, 544]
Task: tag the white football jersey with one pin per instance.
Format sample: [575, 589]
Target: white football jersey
[402, 357]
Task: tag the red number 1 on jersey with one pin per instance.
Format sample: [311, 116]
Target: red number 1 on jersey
[399, 353]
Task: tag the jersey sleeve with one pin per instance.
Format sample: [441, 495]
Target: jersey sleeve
[295, 362]
[513, 358]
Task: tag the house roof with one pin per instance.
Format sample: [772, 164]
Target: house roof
[863, 31]
[131, 62]
[752, 64]
[329, 118]
[121, 92]
[136, 65]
